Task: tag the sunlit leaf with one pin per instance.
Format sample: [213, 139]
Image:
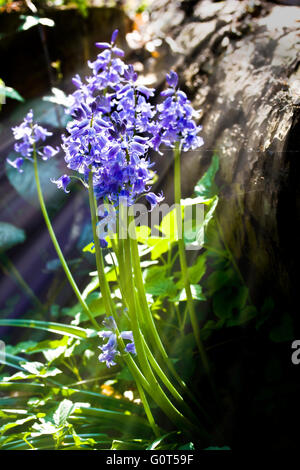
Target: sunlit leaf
[62, 413]
[31, 21]
[9, 92]
[206, 186]
[68, 330]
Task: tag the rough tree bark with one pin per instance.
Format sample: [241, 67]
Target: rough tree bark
[239, 61]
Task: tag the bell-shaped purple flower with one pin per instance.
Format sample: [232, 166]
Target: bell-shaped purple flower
[154, 199]
[172, 79]
[62, 182]
[48, 152]
[17, 163]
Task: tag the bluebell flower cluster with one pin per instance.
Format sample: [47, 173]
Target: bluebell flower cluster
[114, 125]
[176, 119]
[29, 135]
[110, 348]
[111, 127]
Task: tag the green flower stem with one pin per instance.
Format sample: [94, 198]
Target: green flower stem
[56, 245]
[144, 377]
[153, 362]
[182, 257]
[149, 321]
[108, 303]
[147, 409]
[110, 307]
[167, 383]
[148, 318]
[160, 373]
[155, 390]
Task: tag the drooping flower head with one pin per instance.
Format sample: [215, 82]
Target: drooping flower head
[176, 119]
[29, 136]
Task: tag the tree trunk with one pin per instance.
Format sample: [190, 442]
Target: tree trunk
[239, 61]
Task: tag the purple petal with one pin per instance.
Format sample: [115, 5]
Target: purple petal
[168, 92]
[117, 51]
[16, 163]
[172, 78]
[146, 91]
[154, 199]
[102, 45]
[130, 348]
[62, 182]
[127, 335]
[48, 152]
[114, 36]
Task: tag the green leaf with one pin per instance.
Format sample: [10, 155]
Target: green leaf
[157, 442]
[169, 226]
[20, 347]
[94, 284]
[47, 345]
[195, 272]
[158, 283]
[200, 236]
[107, 402]
[31, 21]
[39, 369]
[160, 246]
[95, 303]
[220, 278]
[137, 444]
[161, 243]
[62, 413]
[206, 186]
[90, 248]
[195, 229]
[24, 183]
[10, 93]
[45, 426]
[59, 328]
[19, 422]
[229, 301]
[35, 369]
[209, 327]
[244, 315]
[196, 294]
[10, 236]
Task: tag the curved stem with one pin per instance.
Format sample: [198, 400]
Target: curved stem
[56, 245]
